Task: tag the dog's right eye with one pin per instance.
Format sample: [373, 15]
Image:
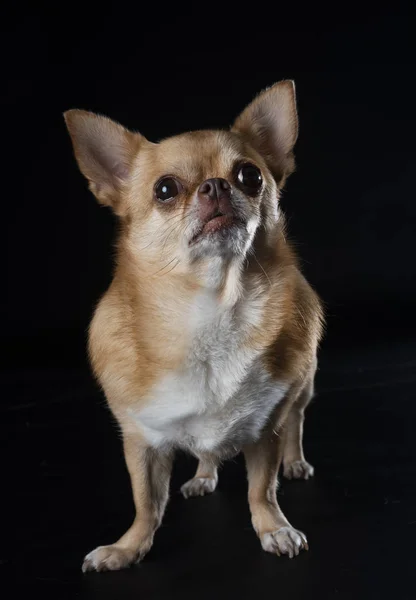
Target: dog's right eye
[166, 189]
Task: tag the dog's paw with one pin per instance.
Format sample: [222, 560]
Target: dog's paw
[299, 469]
[285, 540]
[108, 558]
[199, 486]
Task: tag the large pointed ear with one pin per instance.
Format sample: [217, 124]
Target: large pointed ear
[270, 124]
[104, 151]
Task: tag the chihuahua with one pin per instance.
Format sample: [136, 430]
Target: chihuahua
[206, 339]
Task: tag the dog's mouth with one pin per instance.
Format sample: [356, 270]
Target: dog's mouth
[217, 223]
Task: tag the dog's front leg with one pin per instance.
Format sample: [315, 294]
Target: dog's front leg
[263, 460]
[150, 474]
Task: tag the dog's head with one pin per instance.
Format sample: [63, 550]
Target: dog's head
[197, 195]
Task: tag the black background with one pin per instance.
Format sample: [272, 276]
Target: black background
[350, 207]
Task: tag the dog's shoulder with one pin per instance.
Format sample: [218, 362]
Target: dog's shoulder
[292, 352]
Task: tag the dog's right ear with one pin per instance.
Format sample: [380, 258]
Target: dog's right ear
[105, 152]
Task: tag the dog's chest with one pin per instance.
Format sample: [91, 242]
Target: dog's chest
[222, 395]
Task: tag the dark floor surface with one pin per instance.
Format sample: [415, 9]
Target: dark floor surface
[67, 491]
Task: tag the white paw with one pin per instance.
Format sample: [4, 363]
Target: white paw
[108, 558]
[299, 469]
[285, 540]
[199, 486]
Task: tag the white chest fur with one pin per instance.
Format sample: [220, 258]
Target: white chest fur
[222, 396]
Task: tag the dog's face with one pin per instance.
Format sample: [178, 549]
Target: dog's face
[198, 195]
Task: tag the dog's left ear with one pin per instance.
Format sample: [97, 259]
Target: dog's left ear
[270, 124]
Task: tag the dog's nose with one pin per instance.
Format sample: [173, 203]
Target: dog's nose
[214, 195]
[215, 189]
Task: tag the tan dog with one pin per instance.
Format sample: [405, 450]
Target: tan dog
[206, 339]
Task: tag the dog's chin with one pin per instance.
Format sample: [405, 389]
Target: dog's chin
[221, 236]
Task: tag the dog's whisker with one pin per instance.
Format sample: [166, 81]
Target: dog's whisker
[161, 234]
[175, 227]
[174, 266]
[255, 258]
[164, 267]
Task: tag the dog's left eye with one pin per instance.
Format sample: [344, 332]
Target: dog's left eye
[249, 178]
[166, 189]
